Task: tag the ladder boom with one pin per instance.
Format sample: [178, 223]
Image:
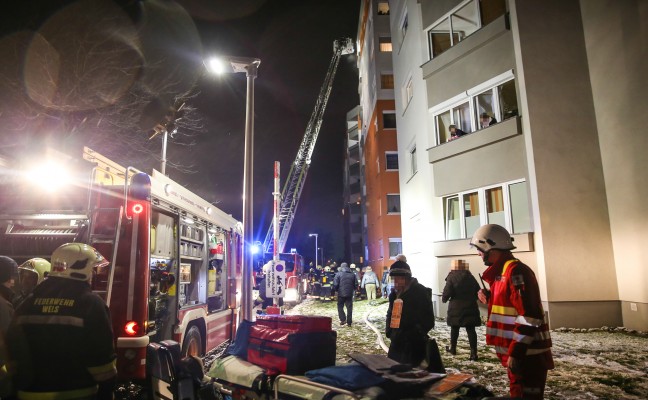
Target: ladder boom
[299, 168]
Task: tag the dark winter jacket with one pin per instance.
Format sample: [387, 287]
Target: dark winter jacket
[345, 282]
[409, 339]
[461, 289]
[61, 339]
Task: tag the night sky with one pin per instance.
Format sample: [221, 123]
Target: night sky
[293, 39]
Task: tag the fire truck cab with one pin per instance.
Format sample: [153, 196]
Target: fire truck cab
[175, 259]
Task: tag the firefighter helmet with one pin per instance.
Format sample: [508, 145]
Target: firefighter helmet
[266, 267]
[76, 261]
[492, 236]
[37, 266]
[327, 269]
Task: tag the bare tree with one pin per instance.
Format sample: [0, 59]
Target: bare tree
[93, 75]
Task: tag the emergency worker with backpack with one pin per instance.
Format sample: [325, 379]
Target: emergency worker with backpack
[60, 340]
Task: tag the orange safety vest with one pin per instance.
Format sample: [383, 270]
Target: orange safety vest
[514, 330]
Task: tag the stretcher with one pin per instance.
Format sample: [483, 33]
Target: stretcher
[230, 378]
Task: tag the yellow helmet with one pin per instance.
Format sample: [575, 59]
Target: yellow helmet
[38, 266]
[76, 261]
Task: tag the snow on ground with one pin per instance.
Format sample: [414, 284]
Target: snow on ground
[605, 363]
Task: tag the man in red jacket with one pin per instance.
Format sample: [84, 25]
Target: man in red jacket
[516, 320]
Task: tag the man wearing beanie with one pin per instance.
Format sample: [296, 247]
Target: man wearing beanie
[408, 331]
[345, 284]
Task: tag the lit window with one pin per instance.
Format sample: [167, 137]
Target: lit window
[471, 212]
[383, 8]
[463, 21]
[393, 204]
[499, 102]
[395, 247]
[385, 44]
[387, 81]
[506, 205]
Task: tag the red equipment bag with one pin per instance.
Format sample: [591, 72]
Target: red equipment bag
[285, 351]
[295, 323]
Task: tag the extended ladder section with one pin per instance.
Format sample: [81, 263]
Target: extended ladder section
[295, 182]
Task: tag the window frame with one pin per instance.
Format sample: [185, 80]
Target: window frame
[413, 161]
[385, 44]
[483, 209]
[400, 251]
[389, 154]
[389, 112]
[471, 97]
[387, 197]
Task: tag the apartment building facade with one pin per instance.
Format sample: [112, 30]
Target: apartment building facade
[559, 81]
[376, 139]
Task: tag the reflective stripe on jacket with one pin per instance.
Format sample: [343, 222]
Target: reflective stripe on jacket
[516, 320]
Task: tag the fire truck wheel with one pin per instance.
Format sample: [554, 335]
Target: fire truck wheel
[192, 344]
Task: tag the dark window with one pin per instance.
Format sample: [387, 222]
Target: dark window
[389, 121]
[392, 160]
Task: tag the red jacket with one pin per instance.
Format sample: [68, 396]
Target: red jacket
[516, 320]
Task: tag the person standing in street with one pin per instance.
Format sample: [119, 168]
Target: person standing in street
[345, 284]
[410, 316]
[370, 283]
[461, 290]
[516, 320]
[60, 340]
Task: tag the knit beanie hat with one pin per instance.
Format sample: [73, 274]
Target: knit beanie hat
[400, 268]
[8, 267]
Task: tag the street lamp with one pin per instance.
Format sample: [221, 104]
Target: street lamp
[311, 235]
[249, 66]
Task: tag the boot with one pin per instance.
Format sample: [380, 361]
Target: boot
[452, 350]
[473, 354]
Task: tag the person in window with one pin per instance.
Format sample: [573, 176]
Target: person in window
[486, 120]
[456, 132]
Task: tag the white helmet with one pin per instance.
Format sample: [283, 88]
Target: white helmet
[327, 269]
[76, 261]
[492, 236]
[39, 267]
[266, 267]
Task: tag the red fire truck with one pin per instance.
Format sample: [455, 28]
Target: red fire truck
[175, 260]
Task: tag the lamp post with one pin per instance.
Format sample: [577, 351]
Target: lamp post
[249, 66]
[311, 235]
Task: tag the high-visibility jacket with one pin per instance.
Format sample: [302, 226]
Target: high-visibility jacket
[517, 326]
[61, 342]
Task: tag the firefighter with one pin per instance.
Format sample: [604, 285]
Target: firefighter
[60, 340]
[31, 273]
[516, 320]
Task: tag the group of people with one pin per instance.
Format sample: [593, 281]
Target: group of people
[485, 120]
[56, 338]
[516, 324]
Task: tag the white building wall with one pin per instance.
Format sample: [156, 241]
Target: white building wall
[417, 201]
